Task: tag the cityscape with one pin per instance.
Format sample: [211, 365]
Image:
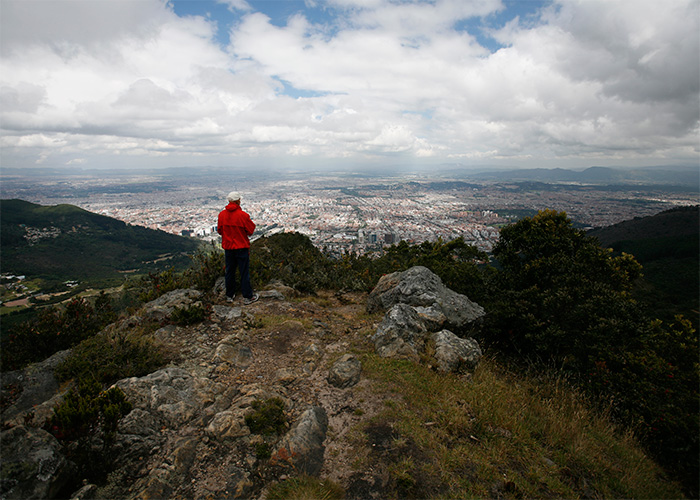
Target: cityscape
[340, 212]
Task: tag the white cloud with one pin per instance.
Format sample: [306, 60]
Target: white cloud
[84, 81]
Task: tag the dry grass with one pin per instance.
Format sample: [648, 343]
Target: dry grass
[498, 434]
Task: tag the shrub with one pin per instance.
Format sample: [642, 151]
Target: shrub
[55, 329]
[109, 357]
[560, 298]
[267, 417]
[184, 316]
[86, 423]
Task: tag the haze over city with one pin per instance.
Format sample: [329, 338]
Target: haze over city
[320, 84]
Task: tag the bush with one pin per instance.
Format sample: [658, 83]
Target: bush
[86, 423]
[109, 357]
[184, 316]
[267, 417]
[55, 329]
[560, 298]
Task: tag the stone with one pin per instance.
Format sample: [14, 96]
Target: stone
[455, 354]
[33, 465]
[162, 307]
[401, 333]
[302, 447]
[36, 384]
[345, 372]
[171, 395]
[237, 355]
[420, 287]
[227, 313]
[228, 424]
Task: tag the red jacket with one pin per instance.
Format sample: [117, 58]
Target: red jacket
[234, 226]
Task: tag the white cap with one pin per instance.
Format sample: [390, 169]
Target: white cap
[234, 196]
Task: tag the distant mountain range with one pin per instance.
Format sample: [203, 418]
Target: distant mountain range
[65, 242]
[681, 176]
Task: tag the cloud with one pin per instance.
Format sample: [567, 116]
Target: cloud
[84, 82]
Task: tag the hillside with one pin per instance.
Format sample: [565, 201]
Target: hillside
[667, 245]
[400, 430]
[65, 242]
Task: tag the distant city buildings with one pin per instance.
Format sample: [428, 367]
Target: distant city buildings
[340, 216]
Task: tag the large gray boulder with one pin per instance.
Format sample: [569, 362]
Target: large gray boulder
[420, 287]
[36, 384]
[33, 465]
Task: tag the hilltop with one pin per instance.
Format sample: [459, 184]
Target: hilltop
[400, 429]
[64, 242]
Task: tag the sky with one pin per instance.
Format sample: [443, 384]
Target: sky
[325, 83]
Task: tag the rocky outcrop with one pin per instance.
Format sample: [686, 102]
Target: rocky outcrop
[36, 389]
[420, 307]
[33, 465]
[421, 288]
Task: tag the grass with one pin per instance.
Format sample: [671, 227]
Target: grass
[501, 434]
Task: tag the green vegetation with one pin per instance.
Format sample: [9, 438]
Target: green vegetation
[55, 329]
[305, 488]
[112, 356]
[267, 417]
[560, 299]
[44, 241]
[88, 415]
[502, 434]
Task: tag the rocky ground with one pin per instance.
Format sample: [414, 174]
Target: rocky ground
[187, 435]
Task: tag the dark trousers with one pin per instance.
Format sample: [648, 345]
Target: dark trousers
[238, 259]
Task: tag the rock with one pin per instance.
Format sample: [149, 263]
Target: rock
[238, 485]
[228, 424]
[87, 492]
[227, 313]
[171, 395]
[454, 354]
[32, 464]
[237, 355]
[420, 287]
[36, 384]
[401, 333]
[345, 372]
[271, 294]
[162, 307]
[302, 447]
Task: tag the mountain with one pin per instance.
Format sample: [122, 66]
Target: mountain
[679, 176]
[667, 245]
[287, 398]
[65, 242]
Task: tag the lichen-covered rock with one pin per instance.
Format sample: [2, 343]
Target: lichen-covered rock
[401, 333]
[171, 395]
[454, 354]
[35, 384]
[302, 449]
[345, 372]
[163, 307]
[33, 466]
[420, 287]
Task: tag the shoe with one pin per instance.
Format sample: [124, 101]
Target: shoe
[254, 298]
[230, 299]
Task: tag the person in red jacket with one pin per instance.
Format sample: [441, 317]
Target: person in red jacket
[235, 227]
